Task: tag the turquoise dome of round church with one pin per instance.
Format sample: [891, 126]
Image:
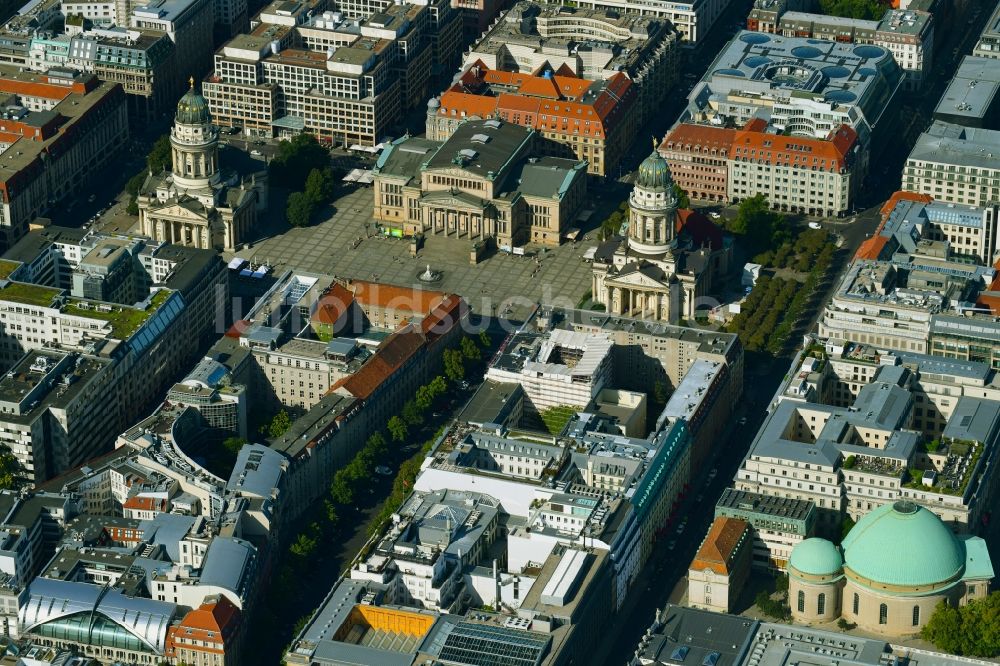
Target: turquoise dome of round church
[654, 173]
[903, 544]
[816, 557]
[193, 109]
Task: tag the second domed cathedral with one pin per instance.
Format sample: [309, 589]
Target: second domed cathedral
[664, 266]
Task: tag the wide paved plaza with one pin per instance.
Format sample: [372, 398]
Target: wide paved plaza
[343, 246]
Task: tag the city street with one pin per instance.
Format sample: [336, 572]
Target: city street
[667, 566]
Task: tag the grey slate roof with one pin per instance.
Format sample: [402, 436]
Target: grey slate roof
[257, 471]
[973, 419]
[548, 177]
[228, 564]
[492, 156]
[954, 144]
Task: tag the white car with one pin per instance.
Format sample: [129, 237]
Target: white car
[714, 215]
[815, 225]
[256, 153]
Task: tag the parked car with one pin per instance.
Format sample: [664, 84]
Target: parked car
[383, 470]
[714, 215]
[256, 153]
[815, 225]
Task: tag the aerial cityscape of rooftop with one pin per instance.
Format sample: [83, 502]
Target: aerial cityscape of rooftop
[499, 332]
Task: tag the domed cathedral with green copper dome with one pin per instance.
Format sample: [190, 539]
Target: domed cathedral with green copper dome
[654, 173]
[899, 562]
[192, 109]
[196, 202]
[665, 265]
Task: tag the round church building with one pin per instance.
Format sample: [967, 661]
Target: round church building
[899, 562]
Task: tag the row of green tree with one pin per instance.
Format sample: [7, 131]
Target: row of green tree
[771, 311]
[799, 253]
[351, 480]
[302, 166]
[972, 630]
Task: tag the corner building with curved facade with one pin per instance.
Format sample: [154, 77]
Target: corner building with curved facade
[893, 568]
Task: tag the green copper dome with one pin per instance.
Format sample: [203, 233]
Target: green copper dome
[193, 109]
[903, 544]
[654, 173]
[816, 557]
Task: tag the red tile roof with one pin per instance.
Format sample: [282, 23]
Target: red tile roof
[720, 546]
[990, 301]
[395, 351]
[902, 195]
[239, 327]
[443, 317]
[215, 622]
[418, 301]
[705, 136]
[751, 143]
[566, 70]
[332, 305]
[145, 503]
[871, 248]
[483, 92]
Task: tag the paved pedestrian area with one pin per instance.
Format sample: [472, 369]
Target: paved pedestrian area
[343, 246]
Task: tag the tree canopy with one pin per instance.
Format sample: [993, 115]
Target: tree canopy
[454, 367]
[397, 428]
[762, 227]
[299, 209]
[868, 10]
[11, 472]
[295, 159]
[278, 426]
[683, 200]
[971, 630]
[159, 157]
[319, 186]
